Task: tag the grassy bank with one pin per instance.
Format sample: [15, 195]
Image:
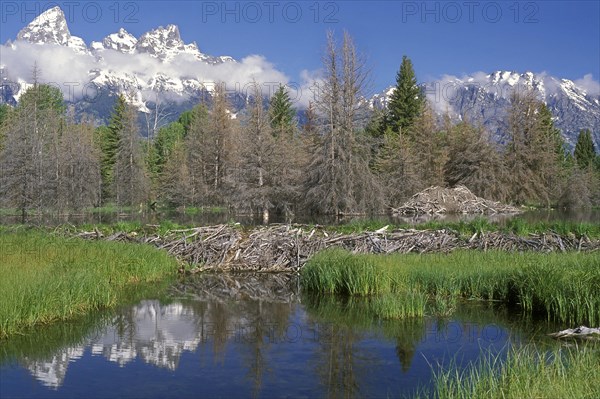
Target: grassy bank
[516, 226]
[564, 287]
[47, 279]
[525, 373]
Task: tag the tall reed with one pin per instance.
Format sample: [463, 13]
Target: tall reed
[563, 287]
[46, 278]
[527, 372]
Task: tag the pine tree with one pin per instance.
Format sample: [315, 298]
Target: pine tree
[397, 168]
[109, 138]
[407, 100]
[551, 134]
[162, 146]
[289, 154]
[281, 113]
[585, 153]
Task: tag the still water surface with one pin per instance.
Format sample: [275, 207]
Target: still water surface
[203, 219]
[240, 339]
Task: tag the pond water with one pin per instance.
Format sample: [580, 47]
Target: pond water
[208, 218]
[230, 336]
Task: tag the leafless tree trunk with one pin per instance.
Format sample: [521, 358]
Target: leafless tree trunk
[530, 159]
[131, 179]
[176, 184]
[254, 188]
[339, 179]
[474, 161]
[213, 145]
[79, 179]
[429, 148]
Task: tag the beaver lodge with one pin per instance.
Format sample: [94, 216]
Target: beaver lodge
[438, 200]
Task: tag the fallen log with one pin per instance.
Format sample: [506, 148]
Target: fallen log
[581, 332]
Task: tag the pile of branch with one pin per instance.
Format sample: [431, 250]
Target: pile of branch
[288, 247]
[439, 200]
[546, 242]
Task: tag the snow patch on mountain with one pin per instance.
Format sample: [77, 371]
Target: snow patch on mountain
[157, 61]
[485, 98]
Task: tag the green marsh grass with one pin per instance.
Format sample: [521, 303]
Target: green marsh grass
[527, 372]
[47, 278]
[562, 287]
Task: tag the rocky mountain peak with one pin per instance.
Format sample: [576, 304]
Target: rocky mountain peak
[122, 41]
[161, 42]
[49, 27]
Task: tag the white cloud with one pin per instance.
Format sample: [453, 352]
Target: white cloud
[66, 68]
[591, 86]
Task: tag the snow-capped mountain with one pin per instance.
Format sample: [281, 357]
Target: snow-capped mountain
[485, 98]
[159, 70]
[159, 61]
[51, 28]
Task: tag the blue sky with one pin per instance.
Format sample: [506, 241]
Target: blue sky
[456, 38]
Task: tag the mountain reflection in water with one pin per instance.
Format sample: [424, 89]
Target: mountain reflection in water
[249, 336]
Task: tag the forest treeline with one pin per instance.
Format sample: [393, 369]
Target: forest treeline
[345, 158]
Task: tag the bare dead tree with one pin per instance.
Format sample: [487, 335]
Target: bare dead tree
[428, 147]
[156, 118]
[474, 161]
[213, 144]
[254, 187]
[339, 179]
[79, 167]
[397, 168]
[531, 157]
[28, 160]
[176, 184]
[131, 181]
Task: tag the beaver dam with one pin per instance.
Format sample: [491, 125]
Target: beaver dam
[288, 247]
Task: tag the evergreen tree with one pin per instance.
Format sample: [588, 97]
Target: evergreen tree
[551, 134]
[162, 146]
[289, 154]
[282, 113]
[407, 100]
[109, 138]
[397, 168]
[585, 153]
